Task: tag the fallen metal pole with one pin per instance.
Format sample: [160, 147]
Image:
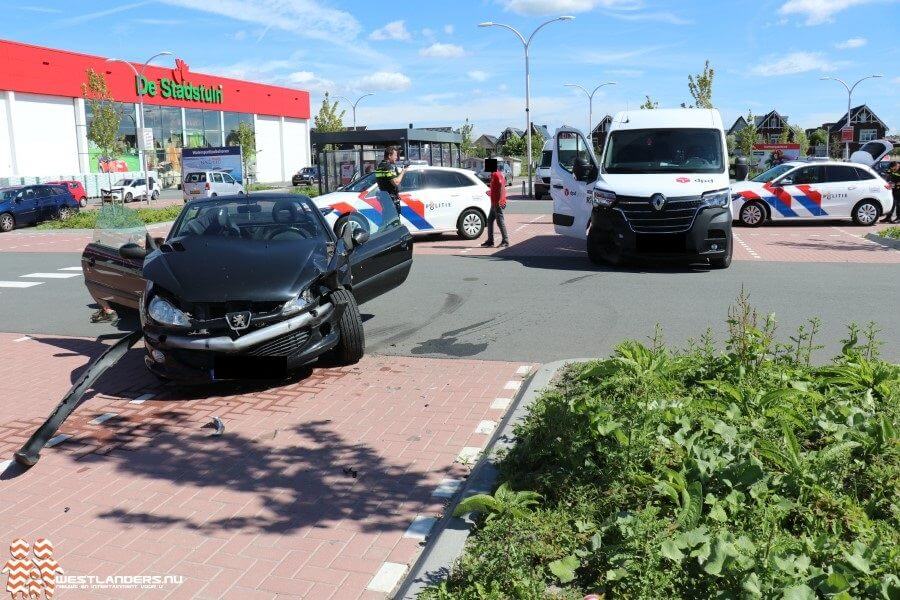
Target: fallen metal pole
[30, 453]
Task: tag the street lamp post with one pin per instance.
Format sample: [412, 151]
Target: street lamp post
[849, 89]
[527, 44]
[353, 104]
[139, 81]
[590, 96]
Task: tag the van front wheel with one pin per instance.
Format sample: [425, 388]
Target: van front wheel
[602, 248]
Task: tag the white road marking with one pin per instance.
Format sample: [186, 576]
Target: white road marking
[387, 577]
[486, 427]
[142, 399]
[860, 237]
[71, 269]
[19, 284]
[446, 488]
[24, 338]
[59, 439]
[512, 385]
[745, 246]
[5, 465]
[500, 403]
[468, 455]
[420, 528]
[51, 275]
[103, 418]
[523, 370]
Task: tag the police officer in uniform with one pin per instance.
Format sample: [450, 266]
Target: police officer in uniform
[388, 175]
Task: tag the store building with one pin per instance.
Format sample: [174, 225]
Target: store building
[45, 116]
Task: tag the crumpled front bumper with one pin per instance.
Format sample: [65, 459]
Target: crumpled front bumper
[292, 343]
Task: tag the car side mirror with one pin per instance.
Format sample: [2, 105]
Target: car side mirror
[785, 181]
[360, 237]
[581, 168]
[132, 252]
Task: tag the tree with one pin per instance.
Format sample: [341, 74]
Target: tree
[701, 88]
[785, 136]
[649, 104]
[730, 143]
[103, 129]
[747, 136]
[245, 137]
[467, 146]
[514, 146]
[819, 136]
[328, 118]
[800, 138]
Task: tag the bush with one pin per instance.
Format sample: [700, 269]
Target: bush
[891, 232]
[308, 190]
[701, 474]
[115, 216]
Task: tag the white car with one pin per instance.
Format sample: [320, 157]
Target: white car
[432, 200]
[800, 190]
[127, 190]
[208, 184]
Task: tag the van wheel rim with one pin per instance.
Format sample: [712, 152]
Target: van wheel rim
[752, 215]
[471, 224]
[867, 214]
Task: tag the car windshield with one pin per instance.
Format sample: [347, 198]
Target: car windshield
[266, 219]
[546, 159]
[776, 171]
[361, 184]
[9, 193]
[124, 182]
[664, 151]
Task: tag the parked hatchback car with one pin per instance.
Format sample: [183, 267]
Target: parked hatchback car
[305, 176]
[31, 204]
[128, 190]
[76, 188]
[209, 184]
[799, 190]
[250, 287]
[432, 200]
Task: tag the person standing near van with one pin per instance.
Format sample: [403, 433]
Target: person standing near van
[497, 192]
[389, 175]
[893, 178]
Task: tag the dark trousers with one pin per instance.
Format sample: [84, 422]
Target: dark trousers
[496, 214]
[894, 211]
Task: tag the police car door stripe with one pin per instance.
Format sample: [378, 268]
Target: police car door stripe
[811, 201]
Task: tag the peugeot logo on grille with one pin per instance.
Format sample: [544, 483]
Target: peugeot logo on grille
[238, 320]
[658, 202]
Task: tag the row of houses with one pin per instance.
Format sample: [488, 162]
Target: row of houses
[867, 126]
[492, 144]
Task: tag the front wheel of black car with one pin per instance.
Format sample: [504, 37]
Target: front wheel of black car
[352, 343]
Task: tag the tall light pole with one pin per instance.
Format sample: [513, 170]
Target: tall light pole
[527, 44]
[139, 82]
[590, 96]
[849, 89]
[353, 104]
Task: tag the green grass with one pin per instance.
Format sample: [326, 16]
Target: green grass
[747, 472]
[891, 232]
[308, 190]
[261, 187]
[115, 216]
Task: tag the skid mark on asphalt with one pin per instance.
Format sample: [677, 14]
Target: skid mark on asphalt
[452, 303]
[448, 343]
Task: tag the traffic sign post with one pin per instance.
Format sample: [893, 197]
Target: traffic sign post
[847, 134]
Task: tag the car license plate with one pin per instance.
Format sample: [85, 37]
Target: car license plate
[249, 367]
[195, 191]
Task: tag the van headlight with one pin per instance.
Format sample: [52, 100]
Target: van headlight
[603, 198]
[298, 303]
[162, 311]
[716, 199]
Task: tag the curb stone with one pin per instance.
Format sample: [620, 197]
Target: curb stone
[449, 535]
[884, 241]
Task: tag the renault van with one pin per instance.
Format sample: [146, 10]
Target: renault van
[659, 191]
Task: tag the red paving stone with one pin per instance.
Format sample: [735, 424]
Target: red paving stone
[267, 509]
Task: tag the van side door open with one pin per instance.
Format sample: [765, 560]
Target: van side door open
[571, 208]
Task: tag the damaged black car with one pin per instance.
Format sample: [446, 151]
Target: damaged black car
[250, 287]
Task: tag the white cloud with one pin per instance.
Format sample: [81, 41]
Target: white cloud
[427, 32]
[857, 42]
[659, 17]
[40, 9]
[395, 30]
[793, 63]
[438, 50]
[448, 29]
[614, 58]
[626, 72]
[385, 81]
[477, 75]
[818, 11]
[309, 81]
[240, 35]
[563, 7]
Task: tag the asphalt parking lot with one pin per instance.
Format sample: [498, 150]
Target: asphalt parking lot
[325, 486]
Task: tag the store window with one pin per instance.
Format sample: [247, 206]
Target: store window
[127, 158]
[212, 127]
[232, 120]
[193, 128]
[167, 142]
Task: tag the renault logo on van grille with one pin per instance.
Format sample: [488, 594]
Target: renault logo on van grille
[238, 320]
[658, 202]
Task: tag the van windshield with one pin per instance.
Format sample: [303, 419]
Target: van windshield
[546, 159]
[664, 151]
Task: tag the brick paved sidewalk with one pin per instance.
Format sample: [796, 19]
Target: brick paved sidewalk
[310, 493]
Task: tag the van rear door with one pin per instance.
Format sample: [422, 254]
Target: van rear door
[571, 209]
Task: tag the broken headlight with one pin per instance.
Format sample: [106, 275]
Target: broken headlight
[298, 303]
[718, 198]
[162, 311]
[603, 198]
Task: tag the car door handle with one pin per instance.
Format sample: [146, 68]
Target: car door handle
[852, 187]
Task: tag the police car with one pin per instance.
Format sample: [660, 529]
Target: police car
[800, 190]
[432, 200]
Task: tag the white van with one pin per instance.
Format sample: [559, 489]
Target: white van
[659, 191]
[206, 184]
[542, 179]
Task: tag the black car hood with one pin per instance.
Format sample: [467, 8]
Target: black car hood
[219, 269]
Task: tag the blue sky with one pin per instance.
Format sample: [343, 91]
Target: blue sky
[429, 64]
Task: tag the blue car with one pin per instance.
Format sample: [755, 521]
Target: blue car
[31, 204]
